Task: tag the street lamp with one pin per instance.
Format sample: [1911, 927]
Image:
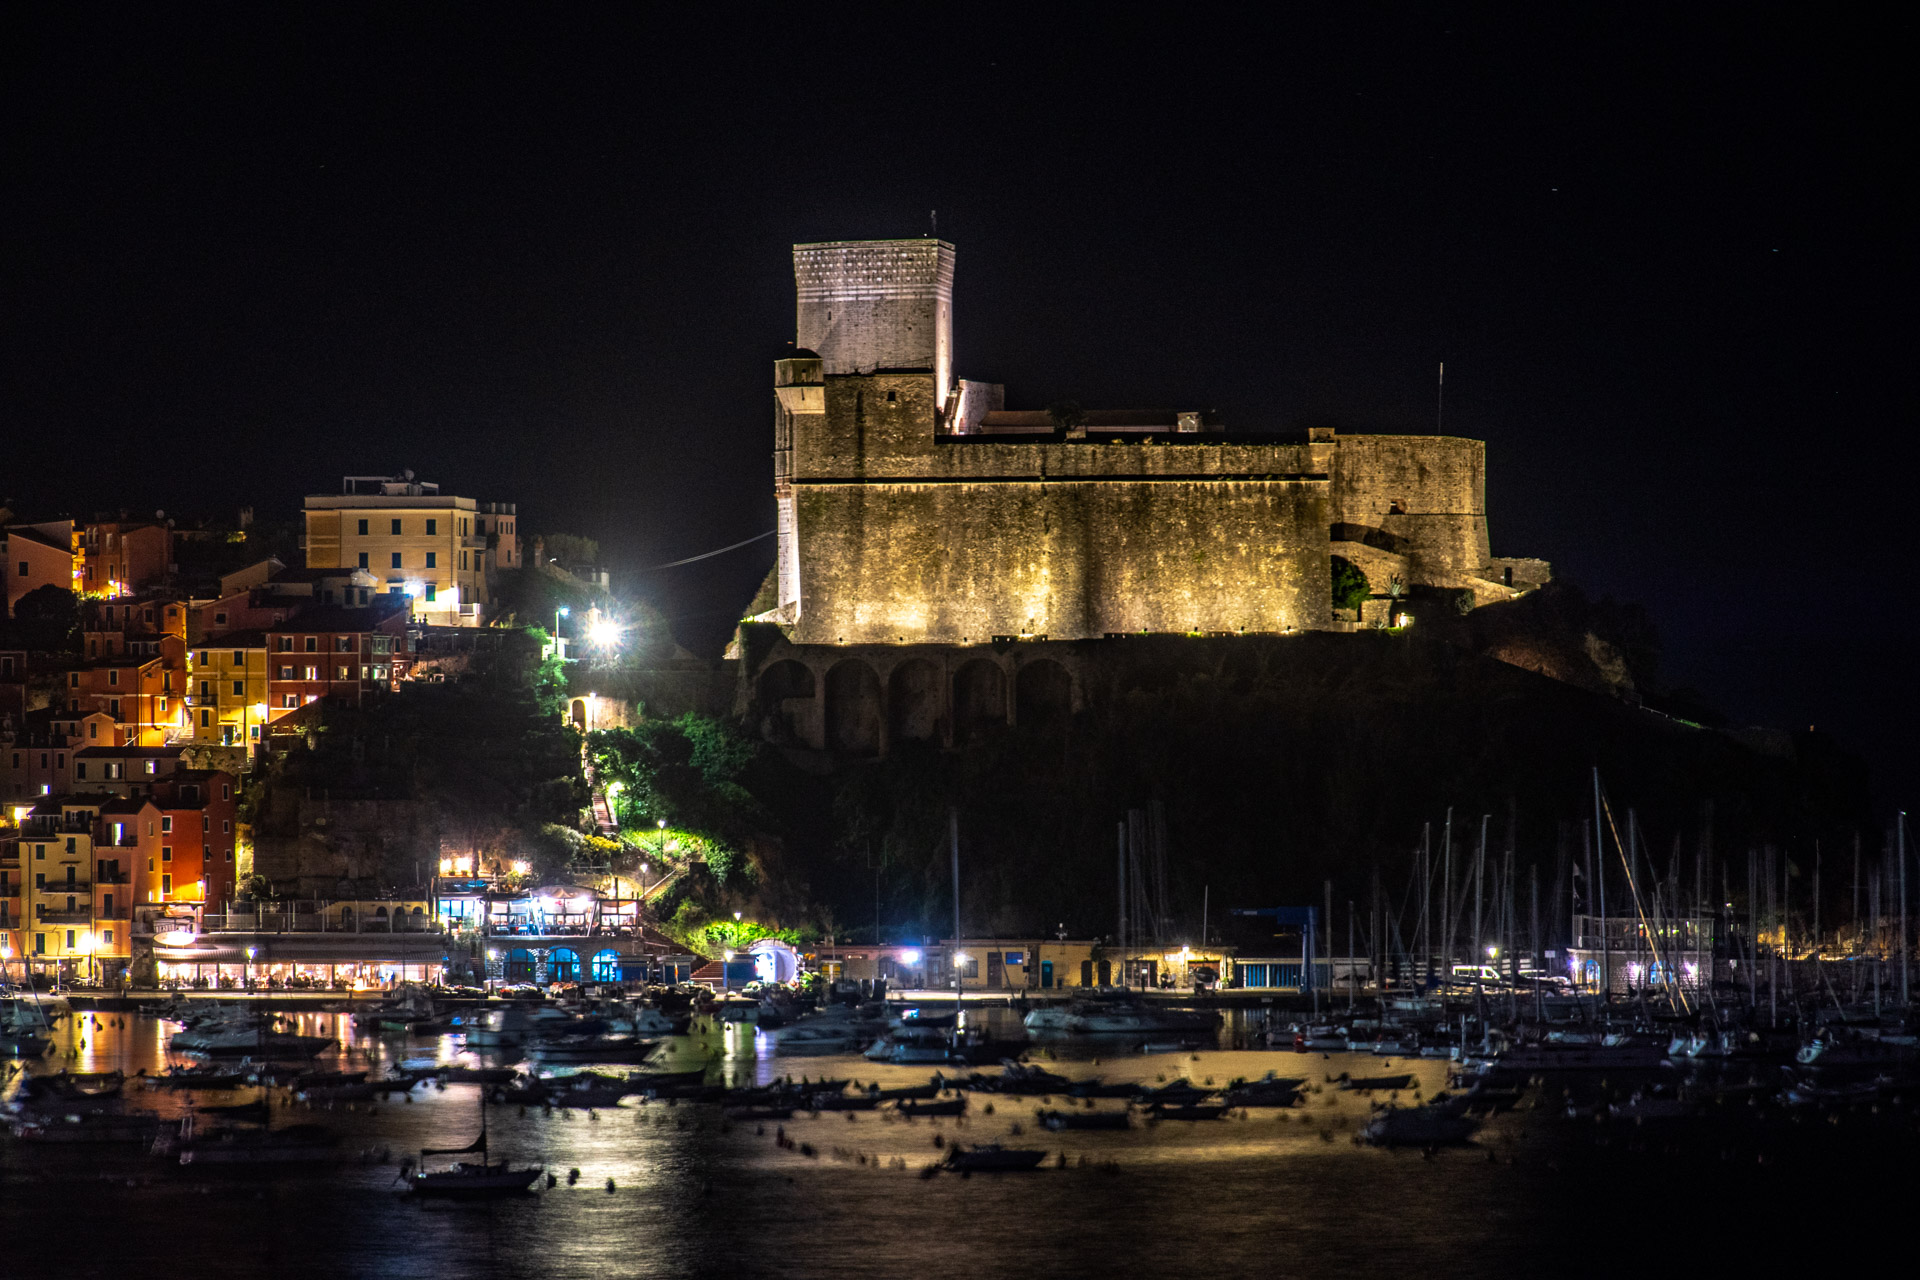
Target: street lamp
[246, 974]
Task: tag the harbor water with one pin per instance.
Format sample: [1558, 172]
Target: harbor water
[676, 1190]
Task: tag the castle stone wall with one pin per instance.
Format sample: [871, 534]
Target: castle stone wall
[1439, 484]
[959, 563]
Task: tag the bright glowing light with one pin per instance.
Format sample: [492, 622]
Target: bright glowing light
[1492, 951]
[564, 612]
[446, 866]
[520, 866]
[662, 824]
[604, 632]
[729, 955]
[909, 956]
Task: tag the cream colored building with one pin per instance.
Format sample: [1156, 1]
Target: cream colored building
[417, 541]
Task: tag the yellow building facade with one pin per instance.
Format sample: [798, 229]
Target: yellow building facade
[228, 698]
[417, 541]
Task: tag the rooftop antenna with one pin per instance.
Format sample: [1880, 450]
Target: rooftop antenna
[1440, 399]
[933, 217]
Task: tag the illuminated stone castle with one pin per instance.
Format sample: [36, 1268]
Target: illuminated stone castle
[915, 509]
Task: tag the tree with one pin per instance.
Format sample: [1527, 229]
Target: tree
[49, 619]
[571, 548]
[1067, 414]
[1350, 586]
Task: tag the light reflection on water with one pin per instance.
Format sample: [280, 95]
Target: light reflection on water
[1279, 1192]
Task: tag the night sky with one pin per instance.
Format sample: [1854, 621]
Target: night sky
[541, 255]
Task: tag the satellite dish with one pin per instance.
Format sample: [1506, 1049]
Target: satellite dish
[159, 515]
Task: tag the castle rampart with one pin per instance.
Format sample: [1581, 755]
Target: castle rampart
[913, 509]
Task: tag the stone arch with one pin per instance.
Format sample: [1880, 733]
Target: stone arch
[979, 699]
[913, 702]
[1043, 696]
[854, 708]
[563, 965]
[787, 693]
[579, 714]
[1241, 670]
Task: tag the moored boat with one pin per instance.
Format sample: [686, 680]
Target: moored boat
[992, 1158]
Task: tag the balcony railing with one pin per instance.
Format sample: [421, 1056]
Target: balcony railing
[115, 877]
[45, 916]
[302, 922]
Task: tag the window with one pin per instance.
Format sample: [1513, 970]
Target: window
[463, 560]
[433, 558]
[431, 589]
[73, 681]
[69, 939]
[396, 559]
[166, 822]
[239, 688]
[80, 770]
[239, 658]
[289, 701]
[106, 935]
[206, 688]
[313, 644]
[206, 718]
[363, 528]
[313, 673]
[166, 884]
[286, 673]
[433, 528]
[286, 644]
[363, 556]
[226, 826]
[396, 527]
[229, 855]
[206, 822]
[346, 673]
[226, 791]
[39, 939]
[113, 706]
[166, 850]
[113, 677]
[344, 644]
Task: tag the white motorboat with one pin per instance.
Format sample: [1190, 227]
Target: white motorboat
[1102, 1017]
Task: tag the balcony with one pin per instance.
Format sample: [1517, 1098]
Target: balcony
[114, 877]
[44, 916]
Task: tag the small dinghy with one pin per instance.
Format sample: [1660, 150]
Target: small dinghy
[1059, 1120]
[993, 1158]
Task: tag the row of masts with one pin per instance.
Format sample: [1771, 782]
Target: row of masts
[1465, 895]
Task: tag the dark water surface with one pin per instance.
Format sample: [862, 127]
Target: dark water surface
[1282, 1193]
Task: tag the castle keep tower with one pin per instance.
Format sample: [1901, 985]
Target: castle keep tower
[866, 305]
